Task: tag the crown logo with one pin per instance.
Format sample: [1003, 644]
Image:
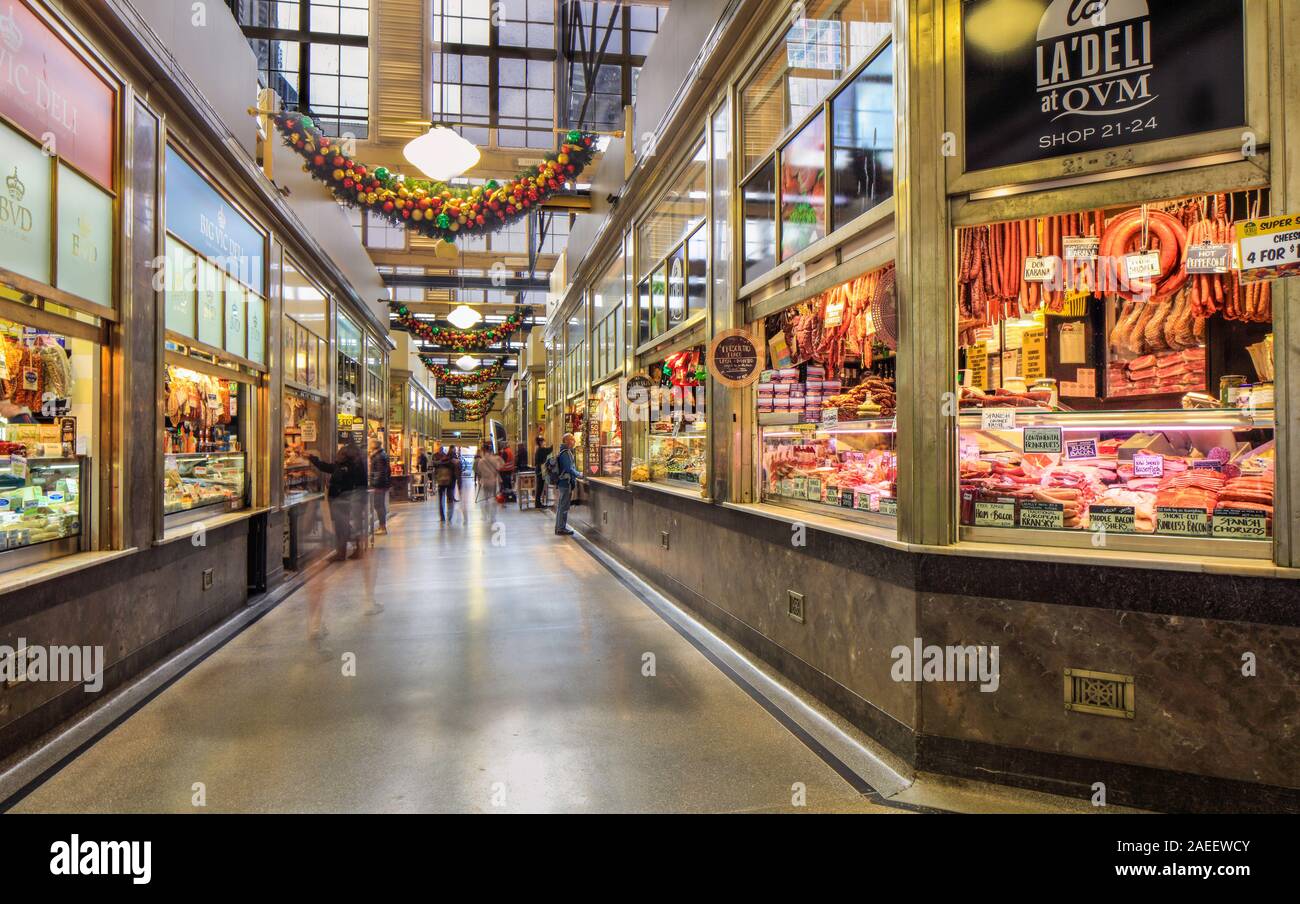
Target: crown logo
[84, 226]
[15, 185]
[9, 31]
[221, 218]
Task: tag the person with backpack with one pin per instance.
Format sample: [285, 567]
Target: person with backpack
[487, 472]
[563, 472]
[444, 478]
[540, 455]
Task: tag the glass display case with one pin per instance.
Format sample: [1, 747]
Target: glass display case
[304, 417]
[211, 481]
[1197, 474]
[678, 458]
[825, 407]
[41, 500]
[203, 446]
[849, 470]
[49, 384]
[604, 434]
[1104, 407]
[667, 407]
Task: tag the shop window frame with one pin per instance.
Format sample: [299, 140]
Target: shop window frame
[179, 338]
[835, 232]
[50, 291]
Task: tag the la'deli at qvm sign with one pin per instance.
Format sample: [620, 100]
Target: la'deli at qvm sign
[1063, 77]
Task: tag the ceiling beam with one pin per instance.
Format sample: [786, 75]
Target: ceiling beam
[426, 281]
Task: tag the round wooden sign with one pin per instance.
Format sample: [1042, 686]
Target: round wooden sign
[735, 358]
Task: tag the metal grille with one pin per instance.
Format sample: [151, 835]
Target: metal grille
[1099, 693]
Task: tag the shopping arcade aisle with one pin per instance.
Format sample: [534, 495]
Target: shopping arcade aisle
[517, 664]
[510, 669]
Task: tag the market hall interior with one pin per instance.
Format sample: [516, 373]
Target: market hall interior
[498, 391]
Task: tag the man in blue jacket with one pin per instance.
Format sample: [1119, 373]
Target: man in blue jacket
[564, 483]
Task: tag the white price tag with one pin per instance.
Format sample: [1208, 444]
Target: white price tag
[998, 419]
[830, 417]
[1081, 247]
[1145, 465]
[1041, 269]
[1142, 266]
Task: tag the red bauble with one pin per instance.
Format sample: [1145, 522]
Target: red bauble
[361, 170]
[570, 168]
[406, 214]
[338, 162]
[347, 183]
[479, 219]
[388, 207]
[318, 160]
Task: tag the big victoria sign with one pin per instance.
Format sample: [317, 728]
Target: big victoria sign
[48, 91]
[1086, 75]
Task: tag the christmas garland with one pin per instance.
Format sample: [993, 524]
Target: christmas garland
[472, 411]
[462, 378]
[459, 340]
[434, 209]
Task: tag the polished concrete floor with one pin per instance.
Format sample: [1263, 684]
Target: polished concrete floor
[505, 674]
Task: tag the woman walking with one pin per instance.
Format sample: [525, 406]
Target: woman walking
[487, 474]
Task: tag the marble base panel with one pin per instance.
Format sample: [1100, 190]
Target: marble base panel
[139, 608]
[1200, 726]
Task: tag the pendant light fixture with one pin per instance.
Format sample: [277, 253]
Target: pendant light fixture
[465, 362]
[464, 317]
[441, 154]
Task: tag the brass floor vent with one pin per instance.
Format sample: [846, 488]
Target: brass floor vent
[1099, 693]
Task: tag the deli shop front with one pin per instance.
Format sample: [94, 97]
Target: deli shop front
[1034, 390]
[1116, 358]
[142, 341]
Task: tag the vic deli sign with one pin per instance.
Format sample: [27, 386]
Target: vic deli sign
[49, 91]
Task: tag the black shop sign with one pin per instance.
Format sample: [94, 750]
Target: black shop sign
[1072, 76]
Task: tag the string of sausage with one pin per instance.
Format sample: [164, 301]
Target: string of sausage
[991, 261]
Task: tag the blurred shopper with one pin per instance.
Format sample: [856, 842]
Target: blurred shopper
[381, 481]
[567, 474]
[458, 469]
[487, 473]
[540, 454]
[422, 463]
[347, 487]
[507, 469]
[444, 478]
